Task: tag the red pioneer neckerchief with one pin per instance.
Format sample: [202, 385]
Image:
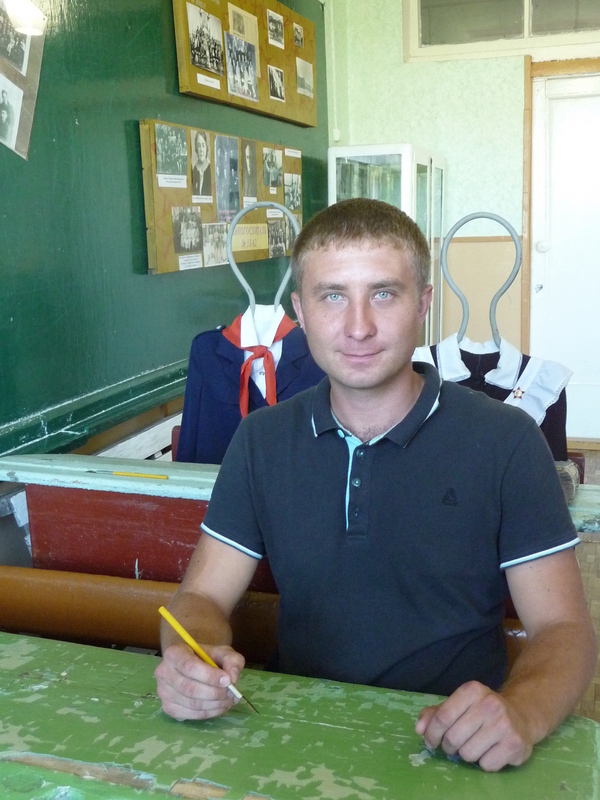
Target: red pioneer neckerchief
[232, 334]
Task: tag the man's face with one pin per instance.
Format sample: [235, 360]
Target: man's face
[362, 312]
[3, 115]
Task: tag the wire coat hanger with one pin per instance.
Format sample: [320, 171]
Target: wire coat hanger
[234, 266]
[505, 286]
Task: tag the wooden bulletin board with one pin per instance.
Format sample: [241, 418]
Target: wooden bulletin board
[188, 210]
[257, 54]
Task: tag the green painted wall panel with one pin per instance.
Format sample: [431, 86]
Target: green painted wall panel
[80, 314]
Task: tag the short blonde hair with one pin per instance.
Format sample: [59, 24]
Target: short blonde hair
[363, 220]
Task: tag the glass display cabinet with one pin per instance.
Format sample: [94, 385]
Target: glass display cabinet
[408, 177]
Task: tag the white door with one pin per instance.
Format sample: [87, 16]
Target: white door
[565, 235]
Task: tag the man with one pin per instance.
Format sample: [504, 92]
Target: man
[249, 169]
[392, 507]
[4, 125]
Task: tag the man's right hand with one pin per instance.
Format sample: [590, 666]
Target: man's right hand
[190, 689]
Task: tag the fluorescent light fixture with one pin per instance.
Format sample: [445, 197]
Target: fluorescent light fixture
[25, 17]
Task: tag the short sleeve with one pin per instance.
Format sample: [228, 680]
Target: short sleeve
[231, 514]
[535, 517]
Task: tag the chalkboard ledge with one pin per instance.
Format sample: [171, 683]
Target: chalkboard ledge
[63, 428]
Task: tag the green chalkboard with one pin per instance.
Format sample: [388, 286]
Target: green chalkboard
[87, 337]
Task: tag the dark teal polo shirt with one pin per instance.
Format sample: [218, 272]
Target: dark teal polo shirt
[389, 555]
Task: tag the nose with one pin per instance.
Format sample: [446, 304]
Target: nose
[359, 322]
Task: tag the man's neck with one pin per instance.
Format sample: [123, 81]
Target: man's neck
[369, 413]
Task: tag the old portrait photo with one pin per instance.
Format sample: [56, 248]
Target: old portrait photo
[292, 191]
[201, 171]
[298, 35]
[171, 150]
[206, 40]
[227, 177]
[238, 24]
[249, 191]
[275, 28]
[187, 230]
[272, 166]
[215, 244]
[276, 233]
[241, 67]
[304, 78]
[276, 85]
[11, 100]
[14, 46]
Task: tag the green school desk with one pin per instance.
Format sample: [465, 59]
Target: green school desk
[80, 723]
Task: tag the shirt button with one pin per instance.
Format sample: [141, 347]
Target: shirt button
[356, 482]
[262, 372]
[355, 511]
[360, 453]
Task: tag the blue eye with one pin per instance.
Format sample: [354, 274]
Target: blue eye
[383, 295]
[333, 296]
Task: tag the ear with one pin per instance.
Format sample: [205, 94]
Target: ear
[297, 303]
[425, 301]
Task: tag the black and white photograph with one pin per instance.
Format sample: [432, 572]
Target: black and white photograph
[215, 244]
[304, 78]
[298, 35]
[241, 68]
[14, 47]
[206, 40]
[276, 233]
[276, 85]
[290, 236]
[272, 166]
[187, 230]
[249, 190]
[11, 99]
[245, 25]
[292, 191]
[237, 23]
[275, 28]
[171, 155]
[201, 171]
[227, 177]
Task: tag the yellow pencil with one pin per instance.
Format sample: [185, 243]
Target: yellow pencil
[142, 475]
[199, 651]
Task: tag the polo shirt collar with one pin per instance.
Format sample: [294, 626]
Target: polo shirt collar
[427, 402]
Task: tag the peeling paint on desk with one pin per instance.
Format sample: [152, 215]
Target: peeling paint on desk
[316, 740]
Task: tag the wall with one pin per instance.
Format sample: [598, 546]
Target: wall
[87, 337]
[479, 267]
[471, 112]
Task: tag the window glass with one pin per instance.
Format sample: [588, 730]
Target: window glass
[564, 16]
[377, 176]
[463, 21]
[422, 197]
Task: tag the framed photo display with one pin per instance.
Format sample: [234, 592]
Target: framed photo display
[196, 180]
[257, 54]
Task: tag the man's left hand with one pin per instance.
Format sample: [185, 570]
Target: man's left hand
[479, 725]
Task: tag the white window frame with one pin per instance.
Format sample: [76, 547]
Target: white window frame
[585, 44]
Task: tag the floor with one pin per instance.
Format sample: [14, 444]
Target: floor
[592, 466]
[590, 703]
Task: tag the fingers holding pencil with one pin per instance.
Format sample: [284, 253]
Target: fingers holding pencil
[189, 688]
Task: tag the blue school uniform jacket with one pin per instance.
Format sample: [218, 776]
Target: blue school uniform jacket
[211, 410]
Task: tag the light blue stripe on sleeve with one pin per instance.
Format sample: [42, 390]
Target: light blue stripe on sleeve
[230, 542]
[542, 553]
